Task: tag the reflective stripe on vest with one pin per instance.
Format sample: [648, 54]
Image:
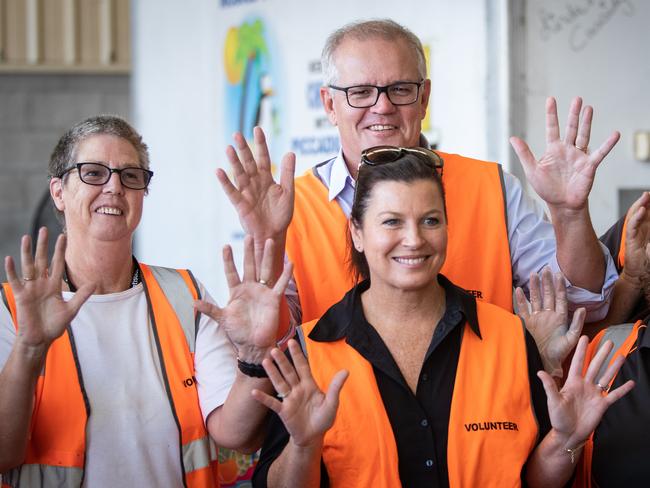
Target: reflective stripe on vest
[490, 437]
[43, 475]
[58, 440]
[624, 340]
[478, 252]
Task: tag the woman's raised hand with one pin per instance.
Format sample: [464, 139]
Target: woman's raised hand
[307, 412]
[548, 319]
[42, 313]
[251, 316]
[576, 410]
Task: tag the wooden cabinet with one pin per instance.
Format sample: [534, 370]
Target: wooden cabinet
[91, 36]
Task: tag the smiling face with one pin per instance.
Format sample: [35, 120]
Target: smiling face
[403, 234]
[110, 212]
[380, 62]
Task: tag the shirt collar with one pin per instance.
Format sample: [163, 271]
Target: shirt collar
[339, 176]
[337, 322]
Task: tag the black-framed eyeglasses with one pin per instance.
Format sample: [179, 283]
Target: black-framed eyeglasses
[98, 174]
[378, 155]
[364, 96]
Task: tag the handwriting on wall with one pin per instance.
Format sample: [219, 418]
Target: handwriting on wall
[582, 19]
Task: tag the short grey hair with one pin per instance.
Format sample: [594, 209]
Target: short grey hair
[64, 154]
[364, 30]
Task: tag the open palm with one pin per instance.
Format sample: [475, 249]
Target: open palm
[564, 174]
[548, 319]
[42, 313]
[576, 410]
[264, 207]
[251, 316]
[307, 412]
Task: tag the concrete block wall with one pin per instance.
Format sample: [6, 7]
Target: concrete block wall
[35, 110]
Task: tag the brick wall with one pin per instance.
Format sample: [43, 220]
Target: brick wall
[35, 110]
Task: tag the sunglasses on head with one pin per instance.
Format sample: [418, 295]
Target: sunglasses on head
[378, 155]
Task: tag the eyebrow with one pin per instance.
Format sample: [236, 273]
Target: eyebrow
[428, 212]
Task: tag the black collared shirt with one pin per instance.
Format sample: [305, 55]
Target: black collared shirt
[622, 440]
[419, 422]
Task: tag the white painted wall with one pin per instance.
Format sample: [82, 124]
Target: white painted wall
[178, 100]
[598, 50]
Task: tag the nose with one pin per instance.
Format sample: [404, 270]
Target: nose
[114, 185]
[383, 105]
[412, 237]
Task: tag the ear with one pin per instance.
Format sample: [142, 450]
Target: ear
[357, 236]
[327, 100]
[426, 93]
[56, 191]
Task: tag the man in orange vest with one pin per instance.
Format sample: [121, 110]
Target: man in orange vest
[376, 92]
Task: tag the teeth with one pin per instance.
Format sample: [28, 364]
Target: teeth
[410, 261]
[109, 211]
[382, 127]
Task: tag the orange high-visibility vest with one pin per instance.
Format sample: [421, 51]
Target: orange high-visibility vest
[492, 426]
[56, 447]
[583, 472]
[621, 251]
[478, 251]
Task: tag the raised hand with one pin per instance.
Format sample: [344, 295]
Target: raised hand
[264, 207]
[564, 174]
[307, 412]
[42, 313]
[576, 410]
[251, 316]
[637, 241]
[548, 319]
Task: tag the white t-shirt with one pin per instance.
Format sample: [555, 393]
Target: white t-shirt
[132, 439]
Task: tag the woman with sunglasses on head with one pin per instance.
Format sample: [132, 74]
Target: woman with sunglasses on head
[110, 375]
[426, 386]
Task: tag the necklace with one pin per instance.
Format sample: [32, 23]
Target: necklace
[135, 279]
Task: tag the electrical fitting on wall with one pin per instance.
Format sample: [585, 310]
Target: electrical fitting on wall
[642, 145]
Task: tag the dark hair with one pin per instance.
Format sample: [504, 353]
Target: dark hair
[64, 154]
[407, 169]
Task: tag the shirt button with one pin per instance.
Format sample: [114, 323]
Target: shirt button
[424, 423]
[425, 377]
[428, 463]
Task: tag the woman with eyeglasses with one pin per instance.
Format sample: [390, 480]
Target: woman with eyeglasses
[425, 385]
[113, 372]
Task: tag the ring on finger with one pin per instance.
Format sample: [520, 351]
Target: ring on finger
[28, 278]
[282, 396]
[582, 148]
[264, 282]
[604, 389]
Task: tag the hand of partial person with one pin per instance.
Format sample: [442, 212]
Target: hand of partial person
[251, 316]
[637, 241]
[42, 313]
[564, 174]
[548, 319]
[576, 410]
[264, 207]
[307, 412]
